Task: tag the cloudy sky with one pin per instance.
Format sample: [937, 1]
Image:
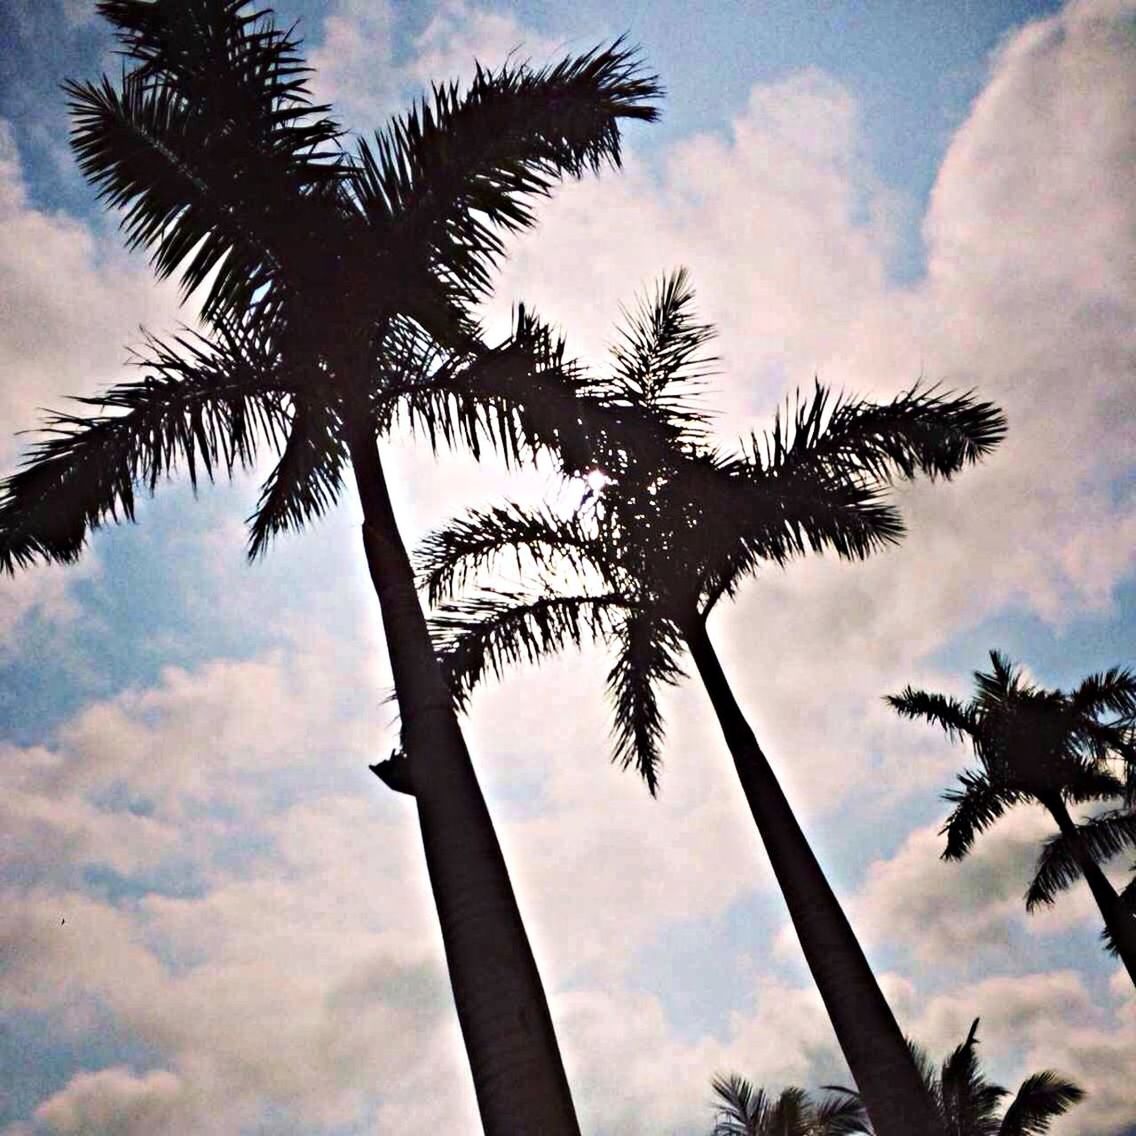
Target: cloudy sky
[213, 918]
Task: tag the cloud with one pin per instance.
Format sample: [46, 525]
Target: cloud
[70, 304]
[114, 1101]
[459, 34]
[354, 63]
[1041, 1021]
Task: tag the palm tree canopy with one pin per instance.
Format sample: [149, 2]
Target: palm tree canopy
[1040, 745]
[338, 282]
[679, 526]
[743, 1110]
[969, 1103]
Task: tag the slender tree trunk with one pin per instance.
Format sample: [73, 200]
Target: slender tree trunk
[517, 1069]
[1121, 923]
[881, 1064]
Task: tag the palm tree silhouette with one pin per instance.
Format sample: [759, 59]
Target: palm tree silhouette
[673, 532]
[743, 1110]
[338, 287]
[968, 1103]
[1054, 749]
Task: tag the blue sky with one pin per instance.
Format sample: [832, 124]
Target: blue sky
[866, 193]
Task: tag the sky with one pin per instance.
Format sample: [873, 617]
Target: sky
[214, 918]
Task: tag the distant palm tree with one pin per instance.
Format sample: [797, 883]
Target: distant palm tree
[672, 532]
[968, 1103]
[338, 286]
[742, 1110]
[1055, 749]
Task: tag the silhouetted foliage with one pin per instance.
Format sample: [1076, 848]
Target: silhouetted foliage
[1055, 749]
[673, 531]
[969, 1104]
[743, 1110]
[337, 285]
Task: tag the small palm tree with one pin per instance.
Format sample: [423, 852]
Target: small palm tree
[337, 291]
[968, 1103]
[742, 1110]
[672, 532]
[1056, 749]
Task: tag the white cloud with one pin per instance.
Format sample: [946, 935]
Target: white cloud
[354, 64]
[114, 1101]
[460, 34]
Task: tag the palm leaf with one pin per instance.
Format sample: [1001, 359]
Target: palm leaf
[660, 363]
[308, 477]
[647, 657]
[208, 151]
[969, 1101]
[841, 1116]
[1102, 837]
[978, 804]
[1112, 691]
[740, 1106]
[474, 544]
[497, 628]
[457, 170]
[1042, 1097]
[193, 408]
[920, 430]
[957, 719]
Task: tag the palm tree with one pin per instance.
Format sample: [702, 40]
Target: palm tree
[1055, 749]
[742, 1110]
[968, 1103]
[674, 531]
[337, 289]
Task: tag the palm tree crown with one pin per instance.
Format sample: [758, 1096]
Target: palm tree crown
[677, 526]
[969, 1104]
[674, 531]
[337, 283]
[337, 287]
[1057, 749]
[743, 1110]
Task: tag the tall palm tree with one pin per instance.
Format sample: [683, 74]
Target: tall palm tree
[743, 1110]
[671, 533]
[337, 288]
[1056, 749]
[968, 1103]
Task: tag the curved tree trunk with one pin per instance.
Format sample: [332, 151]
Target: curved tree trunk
[1121, 923]
[881, 1064]
[517, 1070]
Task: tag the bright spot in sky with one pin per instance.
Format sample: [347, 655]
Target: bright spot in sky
[596, 479]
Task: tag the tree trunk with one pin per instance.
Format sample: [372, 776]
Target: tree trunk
[881, 1064]
[1121, 923]
[518, 1073]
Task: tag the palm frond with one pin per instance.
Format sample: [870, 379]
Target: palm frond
[1127, 909]
[747, 517]
[969, 1101]
[841, 1115]
[919, 431]
[953, 716]
[494, 629]
[473, 544]
[209, 151]
[517, 398]
[978, 804]
[740, 1106]
[1112, 691]
[194, 408]
[648, 647]
[1101, 837]
[1041, 1098]
[660, 362]
[308, 477]
[462, 168]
